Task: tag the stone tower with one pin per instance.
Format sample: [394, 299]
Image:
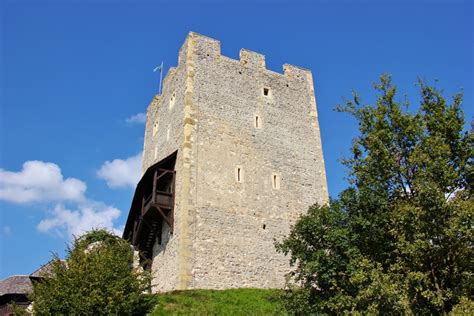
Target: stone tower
[232, 156]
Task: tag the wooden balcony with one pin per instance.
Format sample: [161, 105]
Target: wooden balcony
[152, 207]
[156, 207]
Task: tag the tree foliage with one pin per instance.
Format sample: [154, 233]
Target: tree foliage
[399, 239]
[97, 278]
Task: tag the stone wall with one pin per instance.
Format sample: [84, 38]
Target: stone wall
[249, 162]
[163, 136]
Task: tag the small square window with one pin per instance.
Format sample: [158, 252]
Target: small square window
[266, 92]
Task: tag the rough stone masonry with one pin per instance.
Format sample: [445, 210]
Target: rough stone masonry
[249, 162]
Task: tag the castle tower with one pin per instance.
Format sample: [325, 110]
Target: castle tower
[232, 156]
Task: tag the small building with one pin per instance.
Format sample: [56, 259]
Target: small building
[15, 289]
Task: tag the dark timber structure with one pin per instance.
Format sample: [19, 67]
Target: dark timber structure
[152, 206]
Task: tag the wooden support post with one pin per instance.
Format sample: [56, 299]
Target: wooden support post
[153, 198]
[135, 235]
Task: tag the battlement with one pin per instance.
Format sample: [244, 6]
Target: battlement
[210, 48]
[252, 59]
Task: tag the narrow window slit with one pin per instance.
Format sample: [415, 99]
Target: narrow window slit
[239, 174]
[275, 181]
[155, 128]
[172, 100]
[266, 91]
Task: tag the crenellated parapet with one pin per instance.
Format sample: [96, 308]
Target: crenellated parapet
[210, 49]
[200, 52]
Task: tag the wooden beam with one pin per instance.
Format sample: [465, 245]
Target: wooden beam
[164, 171]
[163, 215]
[153, 194]
[135, 235]
[146, 208]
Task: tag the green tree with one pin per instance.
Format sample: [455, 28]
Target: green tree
[399, 239]
[97, 278]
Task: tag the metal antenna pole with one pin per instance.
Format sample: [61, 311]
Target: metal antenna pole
[160, 67]
[161, 76]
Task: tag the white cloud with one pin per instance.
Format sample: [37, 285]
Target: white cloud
[121, 173]
[85, 217]
[42, 182]
[39, 182]
[138, 118]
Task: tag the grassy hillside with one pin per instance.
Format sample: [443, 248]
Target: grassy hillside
[224, 302]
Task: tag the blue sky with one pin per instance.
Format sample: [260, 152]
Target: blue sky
[73, 74]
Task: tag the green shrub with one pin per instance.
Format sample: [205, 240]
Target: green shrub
[96, 278]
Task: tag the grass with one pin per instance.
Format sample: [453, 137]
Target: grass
[220, 302]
